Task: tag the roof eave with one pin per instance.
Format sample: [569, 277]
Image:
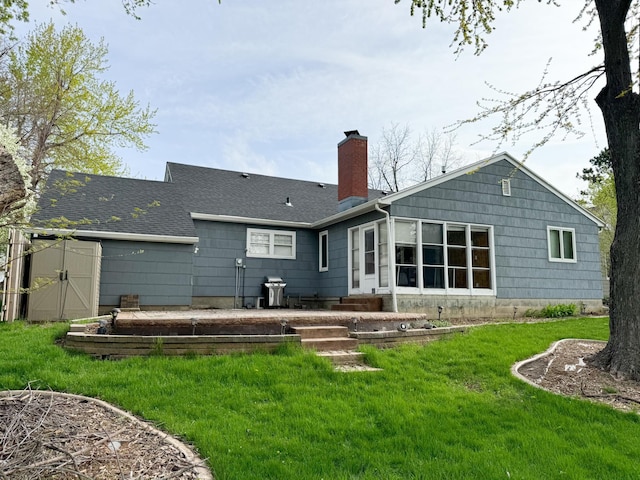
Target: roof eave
[122, 236]
[254, 221]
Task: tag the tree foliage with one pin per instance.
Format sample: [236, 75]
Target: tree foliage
[399, 159]
[65, 115]
[600, 198]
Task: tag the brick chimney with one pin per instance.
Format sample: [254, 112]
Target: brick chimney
[352, 171]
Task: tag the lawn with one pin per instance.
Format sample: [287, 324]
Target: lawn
[447, 410]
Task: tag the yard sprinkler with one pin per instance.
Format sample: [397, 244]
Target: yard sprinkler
[283, 326]
[355, 324]
[440, 309]
[194, 322]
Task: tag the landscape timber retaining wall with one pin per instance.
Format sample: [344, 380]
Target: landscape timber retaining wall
[392, 338]
[121, 346]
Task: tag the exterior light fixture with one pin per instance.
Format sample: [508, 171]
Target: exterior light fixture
[194, 322]
[515, 310]
[355, 324]
[403, 327]
[283, 326]
[440, 309]
[114, 316]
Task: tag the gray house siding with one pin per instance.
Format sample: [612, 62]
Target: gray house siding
[520, 222]
[160, 273]
[221, 243]
[334, 282]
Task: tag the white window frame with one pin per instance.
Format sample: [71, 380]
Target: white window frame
[272, 234]
[562, 258]
[471, 291]
[506, 187]
[322, 251]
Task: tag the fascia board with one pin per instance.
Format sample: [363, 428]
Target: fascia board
[254, 221]
[481, 164]
[554, 190]
[133, 237]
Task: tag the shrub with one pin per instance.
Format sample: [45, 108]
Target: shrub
[560, 310]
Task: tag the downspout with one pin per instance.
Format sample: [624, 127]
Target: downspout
[391, 247]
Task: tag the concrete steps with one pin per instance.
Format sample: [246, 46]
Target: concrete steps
[326, 338]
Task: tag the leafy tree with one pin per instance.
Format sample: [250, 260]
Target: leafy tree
[18, 10]
[600, 198]
[556, 107]
[600, 169]
[63, 113]
[398, 160]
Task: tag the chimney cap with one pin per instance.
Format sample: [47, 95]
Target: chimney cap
[348, 133]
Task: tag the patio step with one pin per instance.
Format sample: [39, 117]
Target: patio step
[359, 304]
[343, 357]
[321, 332]
[326, 338]
[325, 344]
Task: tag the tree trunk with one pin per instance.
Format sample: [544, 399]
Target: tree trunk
[620, 108]
[12, 188]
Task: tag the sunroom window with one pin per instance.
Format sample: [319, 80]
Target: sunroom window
[452, 256]
[406, 258]
[432, 256]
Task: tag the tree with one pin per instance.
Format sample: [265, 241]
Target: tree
[15, 184]
[554, 105]
[64, 114]
[600, 198]
[399, 161]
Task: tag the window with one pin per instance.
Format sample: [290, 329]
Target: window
[506, 187]
[271, 243]
[383, 255]
[323, 247]
[480, 261]
[432, 256]
[355, 258]
[406, 258]
[451, 256]
[562, 244]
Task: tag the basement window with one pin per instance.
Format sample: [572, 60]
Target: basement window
[271, 243]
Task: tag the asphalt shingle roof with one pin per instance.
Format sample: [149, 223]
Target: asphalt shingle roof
[113, 204]
[126, 205]
[224, 192]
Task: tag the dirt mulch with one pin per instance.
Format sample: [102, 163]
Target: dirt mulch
[563, 369]
[47, 435]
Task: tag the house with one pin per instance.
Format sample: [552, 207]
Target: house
[491, 239]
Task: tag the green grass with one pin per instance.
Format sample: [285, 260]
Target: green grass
[448, 410]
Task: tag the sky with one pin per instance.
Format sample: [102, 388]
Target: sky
[270, 87]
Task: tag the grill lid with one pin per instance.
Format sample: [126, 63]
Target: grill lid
[273, 279]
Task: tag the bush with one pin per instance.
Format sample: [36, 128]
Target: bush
[561, 310]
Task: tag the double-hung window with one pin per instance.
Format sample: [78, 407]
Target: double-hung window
[271, 243]
[562, 244]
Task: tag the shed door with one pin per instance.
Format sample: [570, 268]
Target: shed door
[65, 280]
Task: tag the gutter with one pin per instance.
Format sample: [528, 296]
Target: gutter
[133, 237]
[390, 243]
